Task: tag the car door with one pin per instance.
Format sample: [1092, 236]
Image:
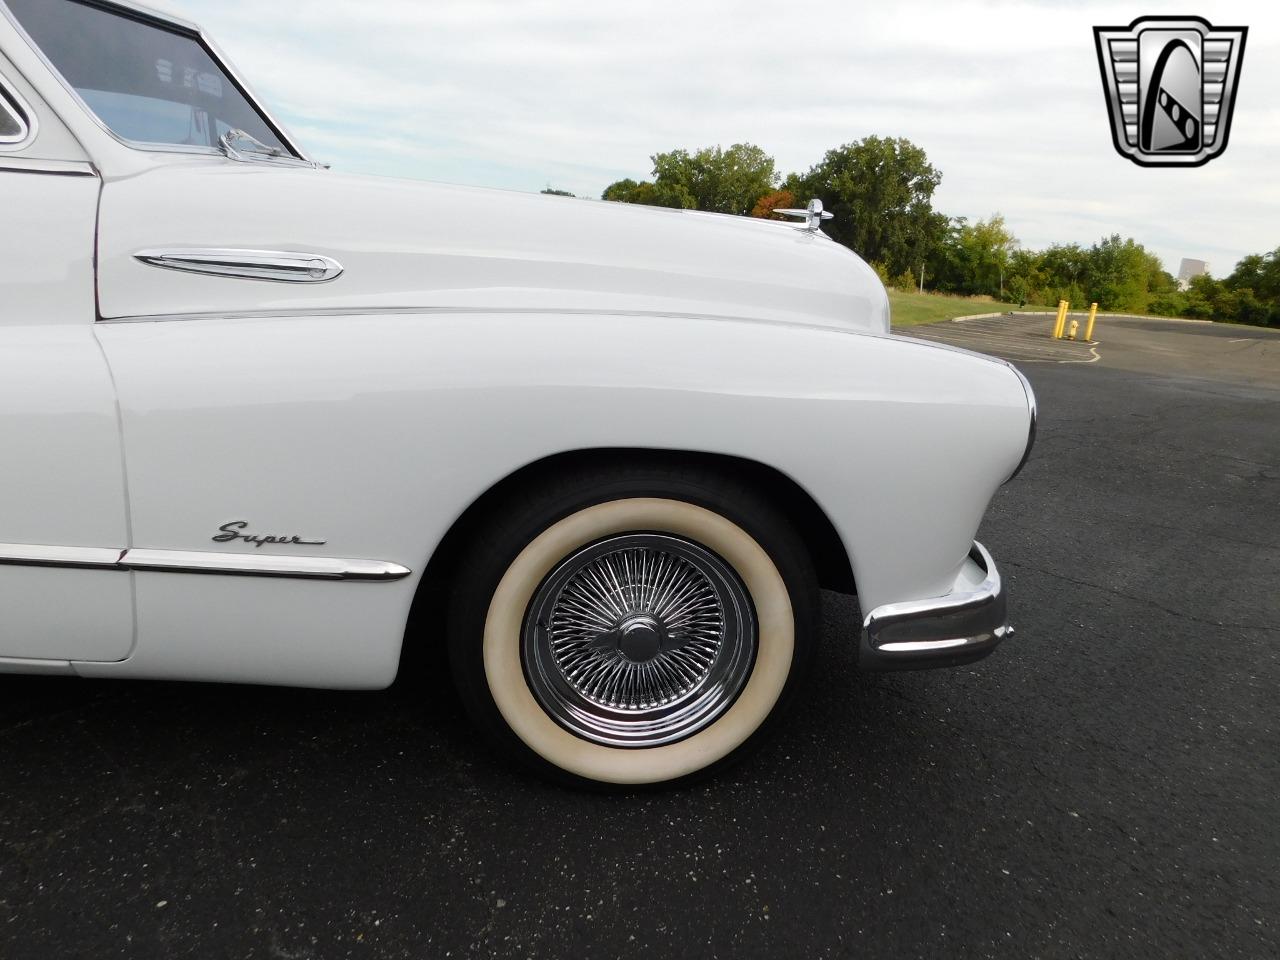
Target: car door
[63, 519]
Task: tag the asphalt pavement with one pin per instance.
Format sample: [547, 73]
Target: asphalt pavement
[1106, 785]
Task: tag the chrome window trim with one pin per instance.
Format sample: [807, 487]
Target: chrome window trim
[189, 561]
[140, 11]
[22, 112]
[167, 21]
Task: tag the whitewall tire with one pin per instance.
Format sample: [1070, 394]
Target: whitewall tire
[630, 630]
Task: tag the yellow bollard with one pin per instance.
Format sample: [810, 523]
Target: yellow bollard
[1075, 325]
[1093, 315]
[1057, 321]
[1063, 307]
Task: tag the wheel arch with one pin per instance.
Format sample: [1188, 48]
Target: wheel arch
[826, 549]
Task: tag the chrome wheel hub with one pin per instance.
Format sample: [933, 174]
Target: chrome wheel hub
[639, 640]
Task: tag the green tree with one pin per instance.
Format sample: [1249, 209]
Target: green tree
[553, 192]
[881, 192]
[1204, 297]
[944, 262]
[720, 180]
[1259, 274]
[980, 255]
[1028, 281]
[1120, 274]
[1065, 267]
[1251, 309]
[621, 191]
[1169, 304]
[651, 194]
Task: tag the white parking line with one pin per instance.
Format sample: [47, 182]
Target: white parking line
[1019, 339]
[1006, 340]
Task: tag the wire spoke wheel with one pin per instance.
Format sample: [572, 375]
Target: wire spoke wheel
[639, 640]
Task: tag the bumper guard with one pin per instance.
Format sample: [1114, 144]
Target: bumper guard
[947, 631]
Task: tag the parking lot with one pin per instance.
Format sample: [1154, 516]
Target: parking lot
[1107, 784]
[1189, 348]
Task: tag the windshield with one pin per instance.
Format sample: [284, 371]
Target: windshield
[147, 82]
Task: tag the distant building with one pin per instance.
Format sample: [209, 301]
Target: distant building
[1190, 268]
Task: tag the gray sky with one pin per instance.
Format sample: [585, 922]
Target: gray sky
[1004, 97]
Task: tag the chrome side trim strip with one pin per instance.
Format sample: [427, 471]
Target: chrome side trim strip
[281, 266]
[307, 568]
[34, 555]
[186, 561]
[310, 313]
[57, 668]
[64, 168]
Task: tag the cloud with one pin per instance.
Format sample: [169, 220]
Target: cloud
[1004, 97]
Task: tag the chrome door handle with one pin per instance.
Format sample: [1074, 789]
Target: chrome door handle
[280, 266]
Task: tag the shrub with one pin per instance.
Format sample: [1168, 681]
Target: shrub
[906, 282]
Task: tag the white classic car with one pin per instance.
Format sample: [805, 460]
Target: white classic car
[267, 423]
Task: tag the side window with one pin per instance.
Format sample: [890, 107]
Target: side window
[147, 81]
[15, 125]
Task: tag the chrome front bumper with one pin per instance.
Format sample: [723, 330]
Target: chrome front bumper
[963, 626]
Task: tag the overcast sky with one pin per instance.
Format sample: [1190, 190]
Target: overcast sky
[1004, 97]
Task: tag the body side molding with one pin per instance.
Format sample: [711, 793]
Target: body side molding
[36, 555]
[188, 561]
[309, 568]
[59, 168]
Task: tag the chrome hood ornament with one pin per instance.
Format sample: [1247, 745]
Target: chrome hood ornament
[813, 215]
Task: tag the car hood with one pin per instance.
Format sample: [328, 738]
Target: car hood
[410, 245]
